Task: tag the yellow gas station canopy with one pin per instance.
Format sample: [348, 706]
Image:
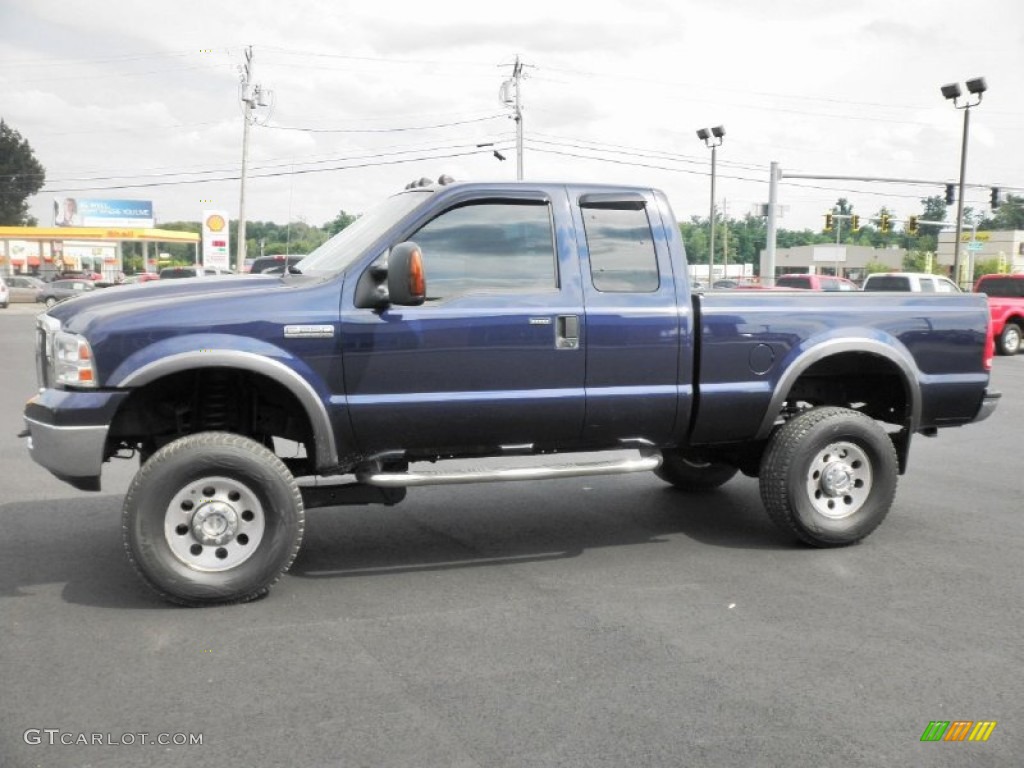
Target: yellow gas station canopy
[119, 234]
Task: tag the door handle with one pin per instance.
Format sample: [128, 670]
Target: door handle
[567, 332]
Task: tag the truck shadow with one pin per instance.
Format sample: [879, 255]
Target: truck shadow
[74, 545]
[442, 529]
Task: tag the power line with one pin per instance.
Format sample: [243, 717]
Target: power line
[383, 130]
[295, 172]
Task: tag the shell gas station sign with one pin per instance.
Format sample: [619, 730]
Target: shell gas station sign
[216, 242]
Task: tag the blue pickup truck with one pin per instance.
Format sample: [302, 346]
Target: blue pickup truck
[473, 321]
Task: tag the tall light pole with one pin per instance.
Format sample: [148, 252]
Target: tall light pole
[975, 87]
[712, 138]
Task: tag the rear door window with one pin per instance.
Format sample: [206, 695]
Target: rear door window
[793, 281]
[621, 246]
[1003, 287]
[887, 283]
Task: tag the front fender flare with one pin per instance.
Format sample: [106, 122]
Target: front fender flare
[289, 378]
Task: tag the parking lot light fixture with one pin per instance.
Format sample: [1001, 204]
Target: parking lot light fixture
[712, 138]
[976, 87]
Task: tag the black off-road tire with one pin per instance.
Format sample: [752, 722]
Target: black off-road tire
[689, 473]
[829, 476]
[1009, 341]
[212, 518]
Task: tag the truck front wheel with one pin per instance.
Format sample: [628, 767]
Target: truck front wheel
[829, 476]
[689, 473]
[212, 518]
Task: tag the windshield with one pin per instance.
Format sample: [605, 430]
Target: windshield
[338, 252]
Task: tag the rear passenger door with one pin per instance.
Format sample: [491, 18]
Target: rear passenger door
[633, 327]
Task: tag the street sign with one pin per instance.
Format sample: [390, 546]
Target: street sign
[974, 247]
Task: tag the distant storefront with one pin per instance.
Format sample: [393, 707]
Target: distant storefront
[1004, 246]
[48, 251]
[849, 261]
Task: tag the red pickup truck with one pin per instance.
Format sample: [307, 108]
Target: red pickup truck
[1006, 306]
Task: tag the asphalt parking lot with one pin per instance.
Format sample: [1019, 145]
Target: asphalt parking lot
[599, 622]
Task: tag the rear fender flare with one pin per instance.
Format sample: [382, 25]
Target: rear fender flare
[904, 363]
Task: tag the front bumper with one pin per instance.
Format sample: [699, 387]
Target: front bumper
[67, 433]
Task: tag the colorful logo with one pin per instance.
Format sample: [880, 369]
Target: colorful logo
[215, 223]
[958, 730]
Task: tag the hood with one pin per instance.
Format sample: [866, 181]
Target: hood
[156, 294]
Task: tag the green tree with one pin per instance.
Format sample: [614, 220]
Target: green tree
[842, 207]
[876, 266]
[986, 267]
[338, 223]
[919, 261]
[1009, 215]
[21, 176]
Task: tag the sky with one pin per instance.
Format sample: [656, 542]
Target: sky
[141, 100]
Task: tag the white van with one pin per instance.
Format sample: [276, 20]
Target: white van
[914, 282]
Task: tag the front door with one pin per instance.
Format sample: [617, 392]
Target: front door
[494, 356]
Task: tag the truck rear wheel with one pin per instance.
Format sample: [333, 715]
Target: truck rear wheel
[212, 518]
[829, 476]
[689, 473]
[1009, 340]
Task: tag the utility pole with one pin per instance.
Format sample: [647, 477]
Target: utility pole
[517, 76]
[725, 236]
[773, 203]
[247, 101]
[514, 100]
[252, 97]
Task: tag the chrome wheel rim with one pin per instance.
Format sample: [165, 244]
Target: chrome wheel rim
[214, 524]
[1012, 342]
[839, 480]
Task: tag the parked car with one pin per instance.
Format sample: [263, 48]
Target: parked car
[815, 282]
[141, 277]
[5, 294]
[79, 274]
[24, 287]
[62, 289]
[1006, 307]
[168, 273]
[275, 263]
[914, 282]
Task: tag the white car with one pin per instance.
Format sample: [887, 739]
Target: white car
[914, 282]
[5, 294]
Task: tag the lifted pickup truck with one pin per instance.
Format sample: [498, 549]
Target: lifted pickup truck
[465, 321]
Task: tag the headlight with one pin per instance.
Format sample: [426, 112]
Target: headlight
[72, 361]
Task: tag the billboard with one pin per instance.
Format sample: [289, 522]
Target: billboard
[83, 212]
[216, 243]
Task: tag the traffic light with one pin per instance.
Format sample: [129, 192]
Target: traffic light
[912, 225]
[995, 198]
[883, 225]
[828, 222]
[950, 196]
[854, 222]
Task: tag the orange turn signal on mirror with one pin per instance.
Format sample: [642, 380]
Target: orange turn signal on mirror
[417, 279]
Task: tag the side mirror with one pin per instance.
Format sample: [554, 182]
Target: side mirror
[407, 281]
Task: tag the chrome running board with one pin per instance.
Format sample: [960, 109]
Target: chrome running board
[644, 463]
